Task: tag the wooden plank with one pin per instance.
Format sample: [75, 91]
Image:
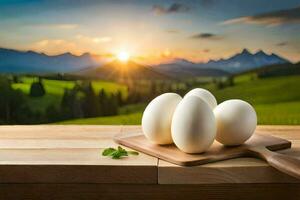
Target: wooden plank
[216, 152]
[149, 191]
[74, 132]
[73, 166]
[68, 154]
[57, 136]
[131, 129]
[241, 170]
[75, 156]
[56, 143]
[287, 132]
[279, 128]
[83, 174]
[233, 171]
[53, 154]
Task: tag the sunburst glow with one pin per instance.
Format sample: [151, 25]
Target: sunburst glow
[123, 56]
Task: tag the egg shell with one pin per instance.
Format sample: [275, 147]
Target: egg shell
[236, 122]
[204, 94]
[193, 125]
[157, 118]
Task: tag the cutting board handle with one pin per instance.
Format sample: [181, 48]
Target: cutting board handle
[284, 163]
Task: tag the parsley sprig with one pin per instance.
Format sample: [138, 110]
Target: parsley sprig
[118, 153]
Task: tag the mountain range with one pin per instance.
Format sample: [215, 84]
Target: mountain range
[243, 61]
[14, 61]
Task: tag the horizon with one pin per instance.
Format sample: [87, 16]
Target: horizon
[169, 61]
[152, 32]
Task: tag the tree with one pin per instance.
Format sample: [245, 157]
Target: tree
[230, 81]
[53, 114]
[108, 104]
[90, 103]
[71, 104]
[119, 98]
[220, 85]
[112, 105]
[37, 89]
[15, 79]
[11, 103]
[152, 89]
[103, 99]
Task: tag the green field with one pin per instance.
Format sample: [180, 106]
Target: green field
[57, 87]
[263, 91]
[276, 100]
[55, 90]
[279, 113]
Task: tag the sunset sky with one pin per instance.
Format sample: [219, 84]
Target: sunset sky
[152, 31]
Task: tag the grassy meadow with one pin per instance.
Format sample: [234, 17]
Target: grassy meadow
[55, 90]
[276, 101]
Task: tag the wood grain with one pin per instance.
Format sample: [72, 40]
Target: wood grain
[216, 152]
[60, 150]
[68, 154]
[73, 132]
[238, 170]
[285, 163]
[63, 162]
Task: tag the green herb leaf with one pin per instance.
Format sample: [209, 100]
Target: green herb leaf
[108, 151]
[118, 153]
[121, 149]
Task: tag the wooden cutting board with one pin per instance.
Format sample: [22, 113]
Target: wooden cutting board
[215, 153]
[259, 145]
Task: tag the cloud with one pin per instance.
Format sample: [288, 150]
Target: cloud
[274, 18]
[93, 39]
[46, 42]
[173, 8]
[54, 46]
[282, 44]
[206, 50]
[208, 36]
[57, 26]
[101, 39]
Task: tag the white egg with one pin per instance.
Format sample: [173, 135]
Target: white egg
[157, 118]
[193, 125]
[205, 95]
[236, 122]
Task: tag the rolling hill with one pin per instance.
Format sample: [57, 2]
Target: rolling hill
[117, 70]
[286, 69]
[276, 101]
[184, 69]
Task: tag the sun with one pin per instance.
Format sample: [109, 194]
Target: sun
[123, 56]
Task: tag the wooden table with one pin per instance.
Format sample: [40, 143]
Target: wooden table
[65, 162]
